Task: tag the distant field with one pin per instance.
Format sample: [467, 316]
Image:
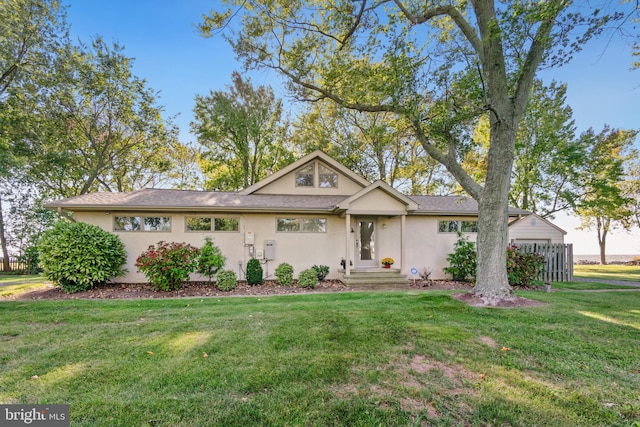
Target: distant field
[608, 272]
[610, 258]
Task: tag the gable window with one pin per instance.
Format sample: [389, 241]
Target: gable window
[141, 223]
[195, 223]
[327, 178]
[304, 177]
[453, 226]
[303, 225]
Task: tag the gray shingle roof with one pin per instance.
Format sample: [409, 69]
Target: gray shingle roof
[453, 205]
[151, 198]
[164, 199]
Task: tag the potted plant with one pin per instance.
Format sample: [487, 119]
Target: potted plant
[387, 262]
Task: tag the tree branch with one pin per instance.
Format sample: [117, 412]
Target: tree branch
[450, 11]
[448, 160]
[533, 59]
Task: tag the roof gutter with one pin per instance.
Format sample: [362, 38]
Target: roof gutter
[65, 215]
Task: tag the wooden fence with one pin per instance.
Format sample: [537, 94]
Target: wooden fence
[16, 266]
[558, 257]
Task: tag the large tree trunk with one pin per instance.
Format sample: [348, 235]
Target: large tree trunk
[6, 265]
[491, 277]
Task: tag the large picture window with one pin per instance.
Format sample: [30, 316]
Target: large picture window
[141, 223]
[301, 225]
[196, 223]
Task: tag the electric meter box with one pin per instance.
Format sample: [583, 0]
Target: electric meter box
[249, 238]
[270, 249]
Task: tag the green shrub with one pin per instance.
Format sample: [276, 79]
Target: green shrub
[463, 260]
[308, 278]
[523, 268]
[226, 280]
[168, 265]
[284, 274]
[254, 272]
[210, 260]
[76, 256]
[322, 271]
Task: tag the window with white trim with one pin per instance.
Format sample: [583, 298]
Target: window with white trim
[208, 224]
[453, 226]
[141, 223]
[301, 225]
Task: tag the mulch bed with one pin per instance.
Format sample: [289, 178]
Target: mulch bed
[206, 289]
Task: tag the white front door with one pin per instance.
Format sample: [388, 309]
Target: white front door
[366, 255]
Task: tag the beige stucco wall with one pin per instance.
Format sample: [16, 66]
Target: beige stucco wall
[301, 250]
[428, 248]
[425, 246]
[376, 202]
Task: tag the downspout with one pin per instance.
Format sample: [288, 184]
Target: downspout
[347, 255]
[403, 250]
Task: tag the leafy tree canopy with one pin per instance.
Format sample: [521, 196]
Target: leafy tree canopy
[242, 134]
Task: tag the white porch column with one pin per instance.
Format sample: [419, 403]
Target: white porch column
[347, 239]
[403, 251]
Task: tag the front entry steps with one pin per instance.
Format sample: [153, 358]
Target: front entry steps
[376, 279]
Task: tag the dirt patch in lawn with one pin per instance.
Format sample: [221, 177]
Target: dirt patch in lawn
[510, 302]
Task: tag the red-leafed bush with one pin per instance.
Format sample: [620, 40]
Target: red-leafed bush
[168, 265]
[523, 268]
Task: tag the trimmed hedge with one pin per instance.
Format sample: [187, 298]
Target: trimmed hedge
[284, 274]
[77, 256]
[226, 280]
[308, 278]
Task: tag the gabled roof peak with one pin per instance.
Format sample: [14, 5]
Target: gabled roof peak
[315, 155]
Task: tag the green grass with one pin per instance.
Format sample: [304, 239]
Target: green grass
[586, 286]
[609, 272]
[358, 359]
[13, 285]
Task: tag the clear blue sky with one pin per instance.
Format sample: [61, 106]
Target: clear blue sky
[175, 60]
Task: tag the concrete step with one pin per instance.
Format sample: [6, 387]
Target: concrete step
[376, 278]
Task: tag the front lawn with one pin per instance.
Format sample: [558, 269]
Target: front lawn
[358, 359]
